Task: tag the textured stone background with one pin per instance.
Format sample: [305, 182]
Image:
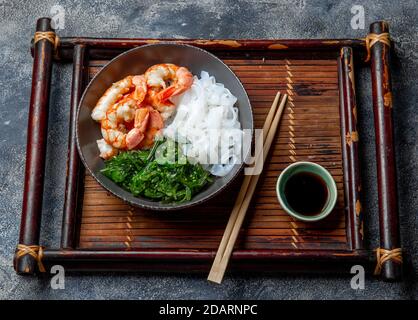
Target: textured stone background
[199, 19]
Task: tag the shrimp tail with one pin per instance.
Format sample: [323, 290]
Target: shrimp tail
[141, 118]
[166, 94]
[137, 134]
[134, 138]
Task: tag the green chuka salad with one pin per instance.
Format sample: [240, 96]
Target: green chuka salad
[162, 173]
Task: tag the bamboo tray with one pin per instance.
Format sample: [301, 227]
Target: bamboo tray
[101, 232]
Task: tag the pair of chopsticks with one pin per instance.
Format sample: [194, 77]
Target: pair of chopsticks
[246, 192]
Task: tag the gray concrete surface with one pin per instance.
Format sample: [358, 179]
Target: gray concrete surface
[199, 19]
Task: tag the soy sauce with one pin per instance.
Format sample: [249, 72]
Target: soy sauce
[306, 193]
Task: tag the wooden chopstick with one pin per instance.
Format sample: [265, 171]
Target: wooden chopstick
[244, 197]
[244, 187]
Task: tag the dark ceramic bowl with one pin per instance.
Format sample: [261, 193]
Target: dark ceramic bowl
[136, 61]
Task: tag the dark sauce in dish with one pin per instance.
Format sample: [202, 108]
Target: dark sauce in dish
[306, 193]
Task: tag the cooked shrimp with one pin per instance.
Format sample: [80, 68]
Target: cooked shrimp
[119, 92]
[183, 80]
[113, 127]
[155, 124]
[137, 133]
[109, 98]
[106, 150]
[158, 74]
[132, 111]
[179, 79]
[140, 91]
[166, 108]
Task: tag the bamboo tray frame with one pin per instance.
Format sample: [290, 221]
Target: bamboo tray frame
[78, 254]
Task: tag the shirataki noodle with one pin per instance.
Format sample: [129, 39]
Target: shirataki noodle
[206, 125]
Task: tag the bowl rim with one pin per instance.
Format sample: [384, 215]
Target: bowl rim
[178, 206]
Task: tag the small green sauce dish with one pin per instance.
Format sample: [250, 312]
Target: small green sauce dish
[306, 191]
